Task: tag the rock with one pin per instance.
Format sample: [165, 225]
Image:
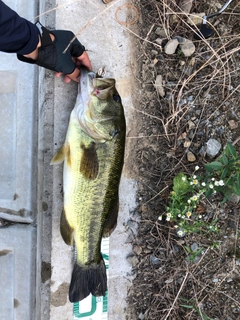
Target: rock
[196, 18]
[133, 260]
[171, 46]
[194, 247]
[213, 148]
[191, 157]
[159, 41]
[161, 32]
[159, 86]
[187, 144]
[141, 316]
[187, 46]
[191, 124]
[154, 260]
[234, 198]
[186, 5]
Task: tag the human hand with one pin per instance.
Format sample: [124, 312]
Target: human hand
[83, 60]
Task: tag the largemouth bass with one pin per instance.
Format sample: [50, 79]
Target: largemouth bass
[93, 155]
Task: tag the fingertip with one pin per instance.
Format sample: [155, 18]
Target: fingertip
[58, 74]
[67, 79]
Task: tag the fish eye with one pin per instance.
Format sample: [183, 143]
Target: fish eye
[116, 97]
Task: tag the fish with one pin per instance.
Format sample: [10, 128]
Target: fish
[93, 156]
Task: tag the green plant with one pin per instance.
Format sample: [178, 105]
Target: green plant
[198, 310]
[227, 169]
[192, 254]
[222, 177]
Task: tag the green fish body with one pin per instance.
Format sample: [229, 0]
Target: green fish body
[93, 155]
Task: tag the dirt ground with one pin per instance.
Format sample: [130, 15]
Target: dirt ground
[196, 276]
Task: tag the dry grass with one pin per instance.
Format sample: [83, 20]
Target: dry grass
[182, 285]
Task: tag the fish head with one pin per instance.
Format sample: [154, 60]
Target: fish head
[99, 108]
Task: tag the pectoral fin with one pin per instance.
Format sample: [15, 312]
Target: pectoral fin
[89, 161]
[112, 221]
[59, 156]
[66, 230]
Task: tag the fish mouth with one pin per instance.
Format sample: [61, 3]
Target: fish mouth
[91, 87]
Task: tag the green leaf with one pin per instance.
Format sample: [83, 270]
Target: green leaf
[224, 159]
[224, 173]
[181, 186]
[230, 150]
[215, 165]
[209, 193]
[186, 306]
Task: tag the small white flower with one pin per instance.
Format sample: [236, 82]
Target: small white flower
[194, 198]
[168, 219]
[160, 218]
[183, 178]
[203, 184]
[189, 201]
[181, 233]
[194, 177]
[213, 179]
[197, 168]
[195, 181]
[211, 186]
[200, 217]
[179, 215]
[216, 183]
[189, 213]
[191, 183]
[169, 215]
[221, 183]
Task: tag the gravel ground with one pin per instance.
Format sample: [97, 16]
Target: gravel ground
[184, 100]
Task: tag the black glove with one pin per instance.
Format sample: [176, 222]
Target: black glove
[50, 54]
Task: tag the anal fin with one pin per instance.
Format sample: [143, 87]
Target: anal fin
[66, 230]
[112, 221]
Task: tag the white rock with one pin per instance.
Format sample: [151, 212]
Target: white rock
[195, 18]
[171, 46]
[213, 148]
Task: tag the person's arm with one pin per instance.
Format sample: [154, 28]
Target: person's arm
[17, 35]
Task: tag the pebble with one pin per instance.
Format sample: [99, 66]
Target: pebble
[196, 18]
[159, 41]
[187, 46]
[161, 32]
[194, 247]
[213, 148]
[186, 5]
[154, 260]
[191, 157]
[187, 144]
[171, 46]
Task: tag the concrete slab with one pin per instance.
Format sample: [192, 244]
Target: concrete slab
[17, 272]
[109, 45]
[18, 131]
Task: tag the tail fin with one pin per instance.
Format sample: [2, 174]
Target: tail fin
[86, 280]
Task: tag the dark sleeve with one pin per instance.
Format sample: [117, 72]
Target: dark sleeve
[17, 35]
